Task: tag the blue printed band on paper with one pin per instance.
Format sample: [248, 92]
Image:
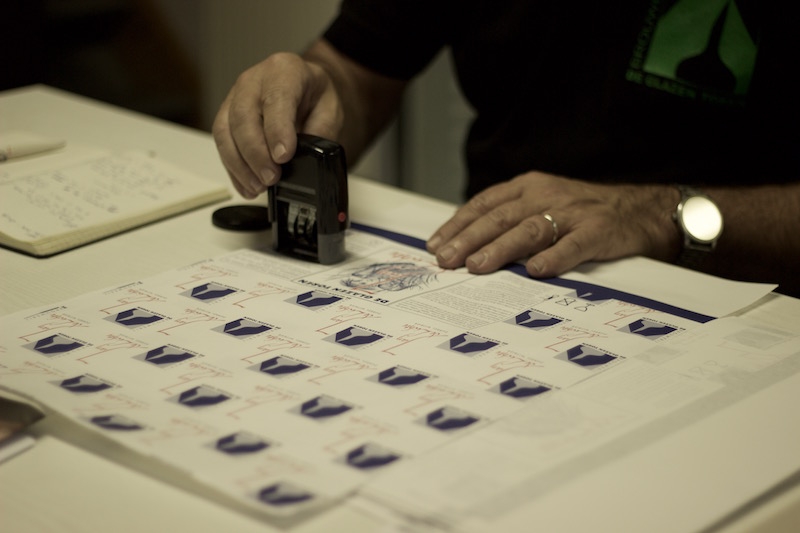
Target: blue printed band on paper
[392, 235]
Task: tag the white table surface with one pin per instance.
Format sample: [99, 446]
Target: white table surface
[70, 481]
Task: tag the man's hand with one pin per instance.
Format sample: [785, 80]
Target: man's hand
[322, 93]
[590, 222]
[257, 124]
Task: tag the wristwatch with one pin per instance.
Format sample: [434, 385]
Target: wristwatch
[700, 223]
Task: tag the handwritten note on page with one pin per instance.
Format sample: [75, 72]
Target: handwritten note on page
[59, 201]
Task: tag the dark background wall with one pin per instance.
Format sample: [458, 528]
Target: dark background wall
[177, 59]
[118, 51]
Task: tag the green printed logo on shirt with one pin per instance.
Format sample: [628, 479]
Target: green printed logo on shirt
[700, 49]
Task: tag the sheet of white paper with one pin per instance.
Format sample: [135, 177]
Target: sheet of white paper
[503, 470]
[684, 288]
[286, 385]
[79, 491]
[15, 445]
[641, 276]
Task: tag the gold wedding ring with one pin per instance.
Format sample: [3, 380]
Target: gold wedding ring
[555, 227]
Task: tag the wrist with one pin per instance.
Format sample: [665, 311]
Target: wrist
[657, 206]
[672, 197]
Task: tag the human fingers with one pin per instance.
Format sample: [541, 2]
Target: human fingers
[305, 101]
[485, 217]
[531, 235]
[322, 111]
[567, 253]
[241, 144]
[589, 230]
[256, 127]
[242, 177]
[622, 221]
[263, 113]
[594, 222]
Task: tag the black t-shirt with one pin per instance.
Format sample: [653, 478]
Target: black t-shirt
[676, 91]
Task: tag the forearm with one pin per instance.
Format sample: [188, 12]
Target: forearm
[761, 237]
[369, 101]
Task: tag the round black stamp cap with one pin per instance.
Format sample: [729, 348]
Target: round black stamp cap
[242, 218]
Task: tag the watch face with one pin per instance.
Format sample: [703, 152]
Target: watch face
[701, 219]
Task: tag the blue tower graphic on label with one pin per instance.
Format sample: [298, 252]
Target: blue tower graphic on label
[167, 355]
[648, 328]
[116, 423]
[280, 365]
[586, 356]
[535, 320]
[520, 388]
[368, 456]
[281, 494]
[241, 443]
[84, 384]
[211, 291]
[316, 299]
[355, 336]
[449, 419]
[136, 317]
[201, 396]
[244, 327]
[399, 376]
[56, 344]
[467, 343]
[324, 407]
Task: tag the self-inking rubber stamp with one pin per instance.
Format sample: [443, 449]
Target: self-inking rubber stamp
[308, 205]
